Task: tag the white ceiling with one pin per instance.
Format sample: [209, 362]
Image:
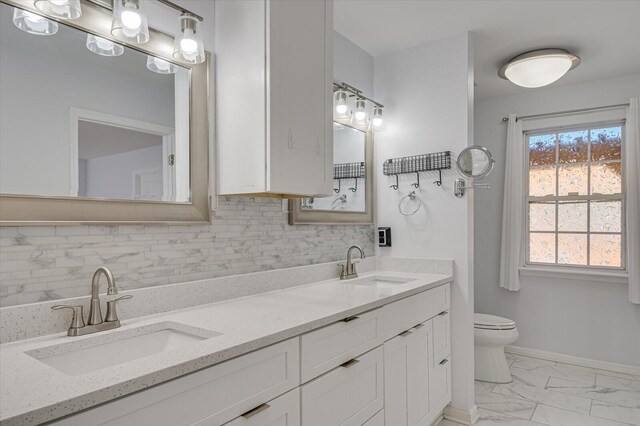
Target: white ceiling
[604, 33]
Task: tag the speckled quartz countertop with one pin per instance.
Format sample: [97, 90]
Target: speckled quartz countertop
[32, 392]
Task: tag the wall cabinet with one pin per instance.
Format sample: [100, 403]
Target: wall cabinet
[345, 373]
[274, 87]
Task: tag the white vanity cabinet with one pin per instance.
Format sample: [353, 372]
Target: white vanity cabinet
[274, 77]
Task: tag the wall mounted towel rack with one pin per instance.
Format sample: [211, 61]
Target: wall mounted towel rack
[348, 171]
[437, 161]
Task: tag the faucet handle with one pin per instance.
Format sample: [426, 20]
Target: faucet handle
[343, 269]
[77, 321]
[112, 314]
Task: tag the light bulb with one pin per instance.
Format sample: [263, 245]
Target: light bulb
[360, 115]
[377, 121]
[129, 22]
[341, 109]
[103, 47]
[65, 9]
[33, 18]
[160, 66]
[188, 44]
[130, 17]
[377, 117]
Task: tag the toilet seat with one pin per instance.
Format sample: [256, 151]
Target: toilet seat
[492, 322]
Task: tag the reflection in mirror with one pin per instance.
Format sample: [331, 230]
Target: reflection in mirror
[349, 181]
[475, 162]
[84, 117]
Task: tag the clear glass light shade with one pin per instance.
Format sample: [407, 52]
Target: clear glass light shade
[65, 9]
[129, 22]
[104, 47]
[360, 114]
[188, 46]
[160, 66]
[377, 122]
[538, 71]
[341, 106]
[33, 23]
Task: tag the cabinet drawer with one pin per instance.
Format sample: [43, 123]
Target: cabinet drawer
[440, 385]
[211, 396]
[377, 420]
[441, 336]
[348, 395]
[282, 411]
[330, 346]
[406, 313]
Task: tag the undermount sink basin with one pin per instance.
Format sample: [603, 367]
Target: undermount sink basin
[380, 281]
[102, 351]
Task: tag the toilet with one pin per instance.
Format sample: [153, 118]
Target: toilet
[492, 334]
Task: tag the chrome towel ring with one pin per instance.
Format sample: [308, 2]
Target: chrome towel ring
[411, 198]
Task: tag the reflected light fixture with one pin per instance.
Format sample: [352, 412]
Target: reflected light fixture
[360, 115]
[65, 9]
[33, 23]
[129, 22]
[538, 68]
[188, 46]
[103, 47]
[341, 105]
[160, 66]
[377, 120]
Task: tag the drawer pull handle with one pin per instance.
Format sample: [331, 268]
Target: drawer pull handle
[405, 333]
[444, 361]
[349, 319]
[443, 313]
[419, 326]
[349, 363]
[259, 409]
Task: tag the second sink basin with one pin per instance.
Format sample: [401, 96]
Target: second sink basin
[102, 351]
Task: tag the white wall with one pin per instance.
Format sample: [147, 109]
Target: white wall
[587, 319]
[111, 176]
[426, 91]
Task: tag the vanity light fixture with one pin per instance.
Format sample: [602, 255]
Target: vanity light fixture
[360, 115]
[377, 120]
[341, 105]
[160, 66]
[103, 47]
[33, 23]
[129, 21]
[188, 45]
[538, 68]
[65, 9]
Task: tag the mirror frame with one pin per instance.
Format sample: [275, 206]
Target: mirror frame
[481, 175]
[36, 210]
[298, 216]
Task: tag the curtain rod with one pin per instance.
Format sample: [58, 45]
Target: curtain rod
[573, 111]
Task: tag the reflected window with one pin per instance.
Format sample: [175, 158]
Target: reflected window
[575, 197]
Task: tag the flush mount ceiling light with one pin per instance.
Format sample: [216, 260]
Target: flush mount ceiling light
[539, 67]
[103, 47]
[33, 23]
[65, 9]
[129, 22]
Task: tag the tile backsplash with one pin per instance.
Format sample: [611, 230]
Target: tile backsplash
[246, 235]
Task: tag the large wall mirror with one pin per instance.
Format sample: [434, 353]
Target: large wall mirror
[96, 131]
[351, 201]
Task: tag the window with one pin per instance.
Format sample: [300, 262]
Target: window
[575, 197]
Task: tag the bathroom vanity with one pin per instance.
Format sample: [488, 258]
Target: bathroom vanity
[372, 350]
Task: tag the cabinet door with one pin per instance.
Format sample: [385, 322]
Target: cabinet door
[282, 411]
[440, 385]
[407, 367]
[441, 338]
[299, 90]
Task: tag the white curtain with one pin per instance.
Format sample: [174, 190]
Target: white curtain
[632, 171]
[513, 204]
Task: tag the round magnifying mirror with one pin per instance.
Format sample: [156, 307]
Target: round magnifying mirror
[475, 162]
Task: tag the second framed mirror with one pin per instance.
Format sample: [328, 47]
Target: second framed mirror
[352, 199]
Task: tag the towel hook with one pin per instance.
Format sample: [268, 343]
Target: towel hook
[396, 185]
[356, 187]
[417, 184]
[439, 181]
[337, 190]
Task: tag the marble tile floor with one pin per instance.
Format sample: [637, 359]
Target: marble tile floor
[557, 394]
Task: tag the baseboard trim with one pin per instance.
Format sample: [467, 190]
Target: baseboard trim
[574, 360]
[463, 417]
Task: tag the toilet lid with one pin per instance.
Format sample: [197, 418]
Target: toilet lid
[492, 322]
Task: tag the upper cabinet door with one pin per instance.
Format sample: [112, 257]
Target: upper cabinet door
[300, 66]
[274, 91]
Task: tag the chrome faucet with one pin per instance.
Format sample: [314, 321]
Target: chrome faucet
[349, 270]
[95, 322]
